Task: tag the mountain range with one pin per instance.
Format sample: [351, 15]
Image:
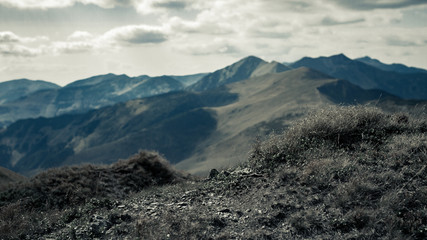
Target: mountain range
[412, 85]
[198, 122]
[83, 95]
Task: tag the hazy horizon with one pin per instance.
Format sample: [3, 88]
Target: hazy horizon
[63, 41]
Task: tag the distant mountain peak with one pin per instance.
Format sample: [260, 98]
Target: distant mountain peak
[340, 57]
[251, 58]
[245, 68]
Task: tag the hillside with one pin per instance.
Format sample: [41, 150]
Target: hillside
[407, 86]
[339, 173]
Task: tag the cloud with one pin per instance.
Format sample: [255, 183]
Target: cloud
[72, 47]
[8, 37]
[13, 45]
[162, 6]
[378, 4]
[41, 4]
[398, 41]
[171, 4]
[80, 41]
[201, 25]
[12, 50]
[80, 35]
[329, 21]
[108, 3]
[218, 46]
[259, 33]
[136, 34]
[46, 4]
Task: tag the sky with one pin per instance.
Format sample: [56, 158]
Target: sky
[65, 40]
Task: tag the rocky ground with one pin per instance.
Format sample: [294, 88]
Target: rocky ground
[224, 206]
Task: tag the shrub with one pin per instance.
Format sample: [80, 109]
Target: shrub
[66, 186]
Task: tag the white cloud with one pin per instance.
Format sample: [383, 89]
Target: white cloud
[46, 4]
[200, 26]
[142, 6]
[18, 51]
[72, 47]
[9, 37]
[80, 35]
[12, 45]
[218, 46]
[81, 41]
[42, 4]
[135, 34]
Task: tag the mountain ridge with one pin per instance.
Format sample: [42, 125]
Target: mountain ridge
[408, 86]
[394, 67]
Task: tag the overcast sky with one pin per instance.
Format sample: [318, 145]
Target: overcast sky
[66, 40]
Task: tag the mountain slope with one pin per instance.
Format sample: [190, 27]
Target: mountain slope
[408, 86]
[395, 67]
[15, 89]
[188, 80]
[248, 67]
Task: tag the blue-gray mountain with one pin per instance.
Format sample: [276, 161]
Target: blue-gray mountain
[405, 85]
[15, 89]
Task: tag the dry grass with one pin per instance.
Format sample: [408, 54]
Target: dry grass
[366, 167]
